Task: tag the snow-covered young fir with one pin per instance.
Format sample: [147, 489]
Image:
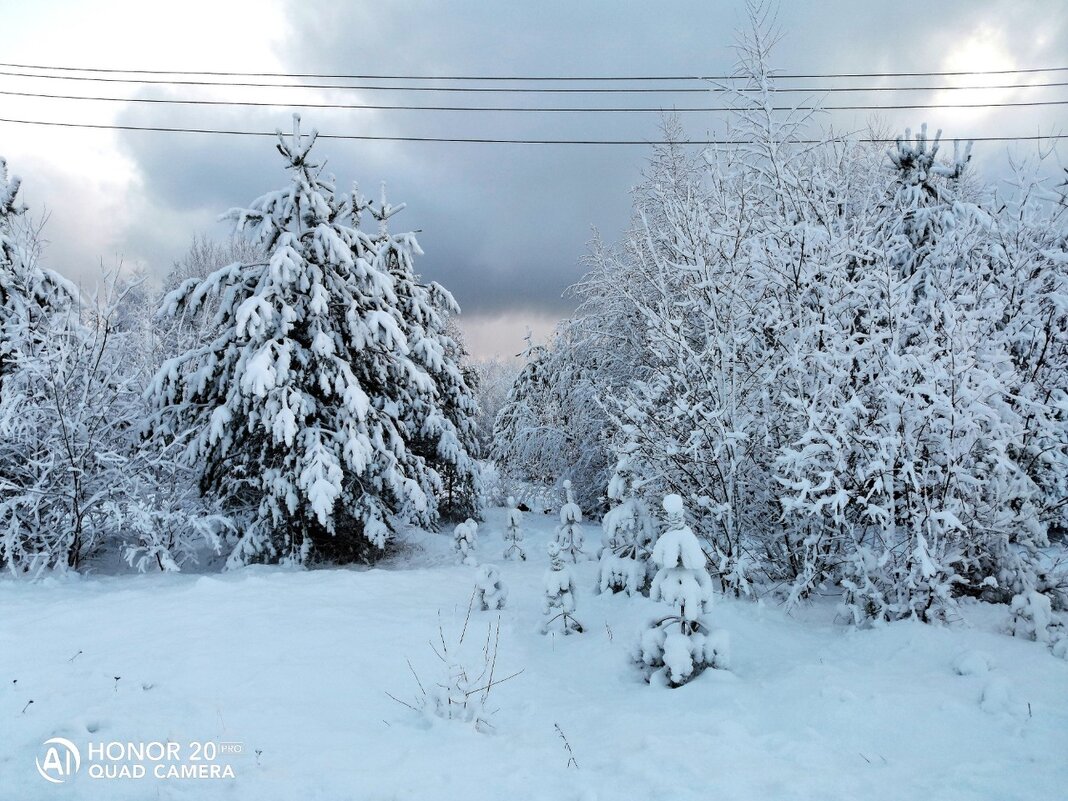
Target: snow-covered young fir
[569, 532]
[465, 541]
[558, 609]
[677, 646]
[513, 533]
[491, 591]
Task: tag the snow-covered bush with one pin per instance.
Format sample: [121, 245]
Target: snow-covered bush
[559, 604]
[466, 679]
[569, 532]
[491, 591]
[680, 645]
[74, 477]
[464, 542]
[851, 360]
[454, 698]
[1031, 616]
[513, 533]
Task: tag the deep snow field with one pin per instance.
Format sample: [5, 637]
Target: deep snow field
[296, 665]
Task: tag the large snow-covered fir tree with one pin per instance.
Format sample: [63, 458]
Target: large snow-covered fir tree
[309, 414]
[441, 424]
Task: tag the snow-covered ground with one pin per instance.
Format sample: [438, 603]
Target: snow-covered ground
[296, 666]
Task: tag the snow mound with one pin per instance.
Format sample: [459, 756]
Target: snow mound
[973, 663]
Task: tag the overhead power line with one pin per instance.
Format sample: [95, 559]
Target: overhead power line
[487, 141]
[552, 109]
[517, 78]
[519, 89]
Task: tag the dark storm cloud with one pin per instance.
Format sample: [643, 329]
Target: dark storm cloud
[505, 226]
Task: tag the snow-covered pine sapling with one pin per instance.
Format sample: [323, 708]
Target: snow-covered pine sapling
[569, 532]
[680, 645]
[628, 539]
[464, 540]
[513, 533]
[559, 607]
[490, 589]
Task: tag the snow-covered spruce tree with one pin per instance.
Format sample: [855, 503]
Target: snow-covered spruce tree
[299, 409]
[523, 437]
[442, 424]
[28, 292]
[680, 645]
[628, 538]
[569, 533]
[464, 542]
[492, 593]
[559, 603]
[513, 533]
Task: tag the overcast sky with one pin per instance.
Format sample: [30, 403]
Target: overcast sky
[503, 226]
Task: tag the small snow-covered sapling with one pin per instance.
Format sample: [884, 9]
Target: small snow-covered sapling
[491, 590]
[624, 559]
[559, 606]
[680, 645]
[513, 533]
[464, 540]
[569, 532]
[1032, 617]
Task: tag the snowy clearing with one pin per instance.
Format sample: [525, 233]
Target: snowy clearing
[295, 666]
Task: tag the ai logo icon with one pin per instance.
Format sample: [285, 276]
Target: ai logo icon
[61, 760]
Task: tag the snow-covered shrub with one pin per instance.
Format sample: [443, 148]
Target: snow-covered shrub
[1059, 646]
[466, 680]
[680, 645]
[453, 699]
[973, 663]
[569, 532]
[1031, 616]
[464, 541]
[851, 360]
[513, 533]
[74, 476]
[491, 591]
[559, 604]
